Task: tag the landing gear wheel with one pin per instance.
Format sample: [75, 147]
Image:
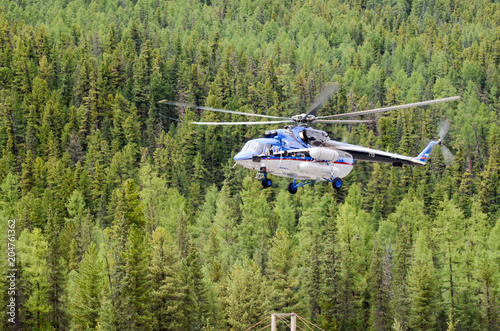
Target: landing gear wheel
[266, 182]
[292, 188]
[337, 183]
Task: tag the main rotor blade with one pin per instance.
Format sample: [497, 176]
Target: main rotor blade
[240, 123]
[343, 121]
[380, 110]
[171, 118]
[323, 96]
[180, 104]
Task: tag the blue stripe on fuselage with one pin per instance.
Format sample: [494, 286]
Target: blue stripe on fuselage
[306, 158]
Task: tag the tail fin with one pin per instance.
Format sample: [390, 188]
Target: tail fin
[424, 155]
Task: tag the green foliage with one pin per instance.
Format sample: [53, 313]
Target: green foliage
[167, 293]
[423, 287]
[32, 254]
[246, 296]
[283, 274]
[87, 290]
[135, 309]
[88, 158]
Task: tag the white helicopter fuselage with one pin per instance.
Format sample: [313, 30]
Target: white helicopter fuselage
[300, 166]
[292, 158]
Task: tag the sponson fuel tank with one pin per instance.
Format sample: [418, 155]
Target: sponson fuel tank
[318, 169]
[326, 154]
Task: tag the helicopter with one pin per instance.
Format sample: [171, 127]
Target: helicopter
[307, 155]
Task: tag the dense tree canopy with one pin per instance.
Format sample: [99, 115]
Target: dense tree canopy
[129, 218]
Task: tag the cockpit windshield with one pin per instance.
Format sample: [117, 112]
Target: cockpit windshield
[253, 147]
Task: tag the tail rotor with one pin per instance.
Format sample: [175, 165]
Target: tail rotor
[444, 127]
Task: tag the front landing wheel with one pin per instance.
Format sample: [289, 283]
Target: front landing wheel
[337, 183]
[292, 188]
[266, 182]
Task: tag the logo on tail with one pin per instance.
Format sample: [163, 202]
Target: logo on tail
[424, 155]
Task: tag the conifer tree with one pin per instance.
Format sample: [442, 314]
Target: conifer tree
[353, 233]
[197, 306]
[246, 296]
[134, 311]
[423, 287]
[255, 224]
[225, 221]
[32, 253]
[282, 271]
[313, 279]
[27, 173]
[154, 195]
[400, 301]
[206, 214]
[107, 316]
[285, 213]
[56, 273]
[489, 190]
[487, 274]
[380, 288]
[330, 304]
[167, 294]
[9, 196]
[86, 301]
[449, 240]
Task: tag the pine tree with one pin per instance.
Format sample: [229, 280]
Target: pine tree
[86, 300]
[400, 301]
[313, 282]
[285, 213]
[487, 274]
[256, 223]
[206, 214]
[166, 291]
[380, 277]
[225, 221]
[107, 316]
[154, 196]
[9, 196]
[245, 297]
[354, 233]
[32, 253]
[77, 210]
[377, 188]
[27, 173]
[448, 238]
[135, 309]
[197, 305]
[423, 287]
[330, 304]
[282, 271]
[489, 190]
[56, 273]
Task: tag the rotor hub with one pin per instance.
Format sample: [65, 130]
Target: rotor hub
[304, 118]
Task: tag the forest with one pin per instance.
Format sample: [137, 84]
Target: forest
[126, 217]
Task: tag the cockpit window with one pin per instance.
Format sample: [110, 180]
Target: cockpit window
[254, 147]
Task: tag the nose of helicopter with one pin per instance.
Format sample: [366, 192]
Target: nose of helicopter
[243, 158]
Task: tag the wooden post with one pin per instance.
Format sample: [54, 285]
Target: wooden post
[293, 321]
[273, 322]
